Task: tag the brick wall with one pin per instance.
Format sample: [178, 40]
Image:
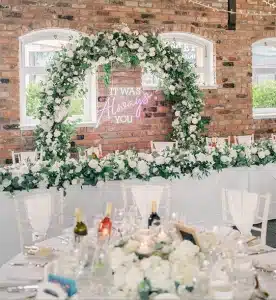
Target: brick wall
[229, 106]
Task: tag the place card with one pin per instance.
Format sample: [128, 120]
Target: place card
[187, 233]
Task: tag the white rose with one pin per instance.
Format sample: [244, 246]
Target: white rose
[175, 122]
[135, 32]
[192, 128]
[254, 150]
[35, 168]
[172, 87]
[132, 164]
[142, 167]
[261, 154]
[98, 169]
[93, 164]
[66, 184]
[159, 160]
[194, 120]
[78, 169]
[142, 38]
[6, 182]
[224, 159]
[233, 153]
[56, 133]
[131, 246]
[74, 181]
[140, 49]
[122, 43]
[167, 160]
[135, 46]
[267, 152]
[70, 53]
[177, 113]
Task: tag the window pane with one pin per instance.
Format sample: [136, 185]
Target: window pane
[39, 53]
[264, 75]
[77, 104]
[33, 90]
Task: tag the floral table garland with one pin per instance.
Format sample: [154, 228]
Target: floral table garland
[168, 164]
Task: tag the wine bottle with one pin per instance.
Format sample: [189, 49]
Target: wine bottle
[105, 225]
[154, 219]
[80, 229]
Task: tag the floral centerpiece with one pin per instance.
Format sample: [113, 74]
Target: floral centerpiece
[148, 264]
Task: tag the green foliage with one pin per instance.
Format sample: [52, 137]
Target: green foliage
[264, 95]
[33, 94]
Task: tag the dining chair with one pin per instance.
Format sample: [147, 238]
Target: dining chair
[245, 210]
[273, 137]
[39, 214]
[21, 157]
[94, 150]
[141, 194]
[217, 141]
[246, 140]
[160, 146]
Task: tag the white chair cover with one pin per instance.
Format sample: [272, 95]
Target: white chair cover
[24, 157]
[244, 139]
[243, 207]
[160, 146]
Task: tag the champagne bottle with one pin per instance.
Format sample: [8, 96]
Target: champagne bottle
[105, 226]
[154, 219]
[80, 229]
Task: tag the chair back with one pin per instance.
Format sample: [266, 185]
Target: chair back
[23, 157]
[217, 141]
[244, 209]
[96, 150]
[39, 214]
[160, 146]
[141, 194]
[245, 140]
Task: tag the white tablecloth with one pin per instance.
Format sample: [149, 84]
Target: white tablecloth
[198, 200]
[10, 274]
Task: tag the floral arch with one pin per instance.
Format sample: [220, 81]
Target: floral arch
[71, 65]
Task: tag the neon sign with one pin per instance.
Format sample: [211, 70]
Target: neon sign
[123, 104]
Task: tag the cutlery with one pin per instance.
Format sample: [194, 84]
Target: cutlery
[31, 264]
[262, 252]
[19, 288]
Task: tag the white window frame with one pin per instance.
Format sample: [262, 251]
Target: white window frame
[208, 68]
[89, 119]
[264, 113]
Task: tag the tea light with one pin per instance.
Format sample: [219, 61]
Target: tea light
[163, 237]
[144, 249]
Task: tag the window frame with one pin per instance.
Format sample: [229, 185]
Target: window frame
[208, 68]
[89, 118]
[263, 112]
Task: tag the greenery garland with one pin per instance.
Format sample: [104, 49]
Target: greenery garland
[168, 164]
[86, 54]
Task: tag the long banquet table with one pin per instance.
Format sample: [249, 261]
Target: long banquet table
[199, 200]
[21, 275]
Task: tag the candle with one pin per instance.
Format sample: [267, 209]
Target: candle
[144, 249]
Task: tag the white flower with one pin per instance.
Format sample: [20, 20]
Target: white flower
[175, 122]
[142, 38]
[192, 128]
[142, 167]
[132, 164]
[70, 53]
[135, 32]
[267, 152]
[172, 87]
[66, 184]
[135, 46]
[254, 150]
[159, 160]
[261, 154]
[201, 157]
[177, 113]
[122, 43]
[74, 181]
[6, 182]
[131, 246]
[56, 133]
[167, 160]
[126, 29]
[224, 159]
[78, 169]
[35, 168]
[233, 153]
[93, 164]
[98, 169]
[140, 49]
[194, 120]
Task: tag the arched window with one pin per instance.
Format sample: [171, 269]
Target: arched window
[264, 78]
[36, 50]
[197, 50]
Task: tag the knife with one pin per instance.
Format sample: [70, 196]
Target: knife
[20, 288]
